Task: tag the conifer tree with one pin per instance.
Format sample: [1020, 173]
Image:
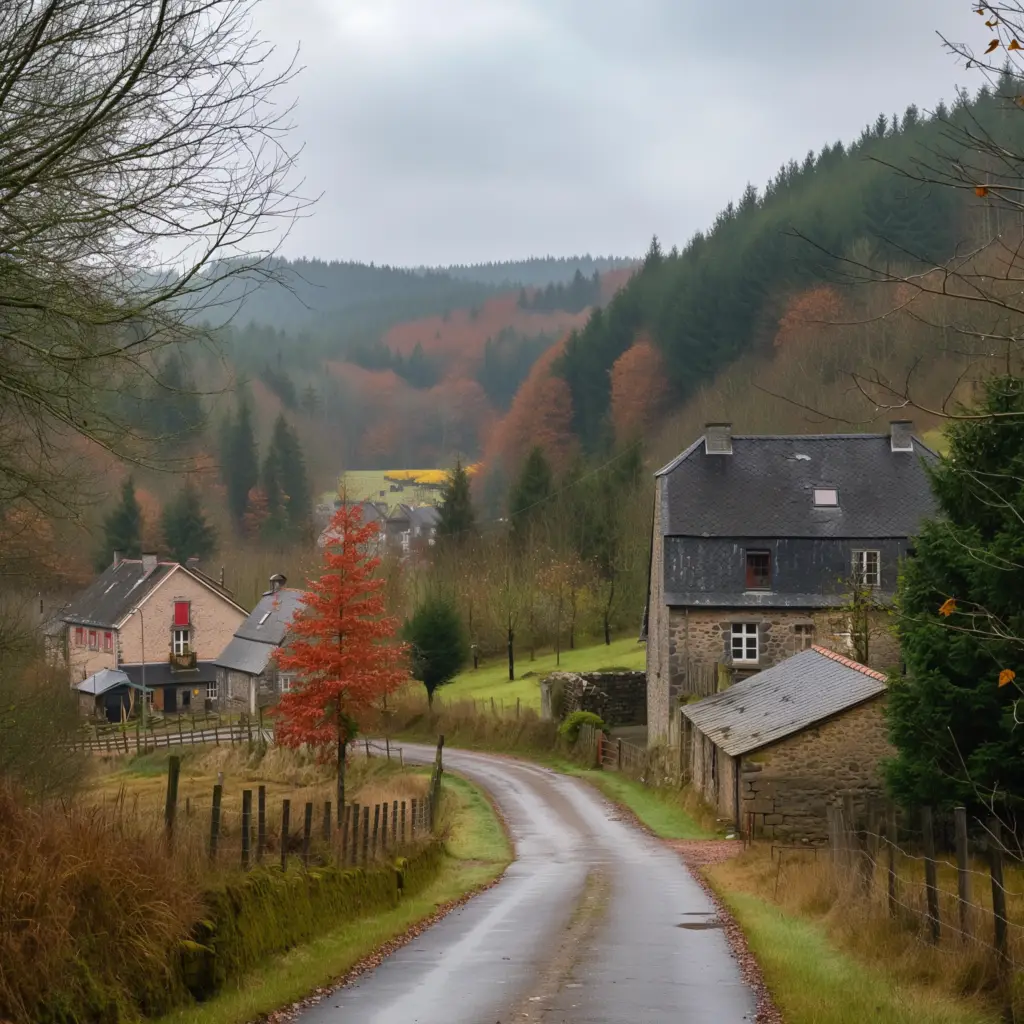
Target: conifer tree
[528, 495]
[457, 520]
[122, 528]
[437, 643]
[185, 529]
[240, 461]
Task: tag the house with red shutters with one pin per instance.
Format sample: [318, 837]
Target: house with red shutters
[159, 624]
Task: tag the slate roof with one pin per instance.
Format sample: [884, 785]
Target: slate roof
[105, 679]
[425, 517]
[765, 488]
[792, 695]
[161, 674]
[117, 590]
[249, 650]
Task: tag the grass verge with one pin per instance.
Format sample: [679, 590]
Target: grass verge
[812, 982]
[477, 851]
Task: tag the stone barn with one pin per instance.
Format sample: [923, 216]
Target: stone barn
[775, 750]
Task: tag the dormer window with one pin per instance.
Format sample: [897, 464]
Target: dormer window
[826, 497]
[759, 570]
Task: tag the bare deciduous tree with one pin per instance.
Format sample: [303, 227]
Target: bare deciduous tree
[143, 164]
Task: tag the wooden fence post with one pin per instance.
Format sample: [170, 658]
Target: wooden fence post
[307, 832]
[355, 833]
[366, 833]
[346, 826]
[218, 791]
[171, 803]
[327, 821]
[618, 754]
[963, 871]
[376, 827]
[890, 836]
[384, 829]
[412, 819]
[394, 823]
[261, 823]
[403, 822]
[931, 887]
[998, 892]
[286, 814]
[246, 827]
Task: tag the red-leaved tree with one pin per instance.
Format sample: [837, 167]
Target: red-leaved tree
[341, 646]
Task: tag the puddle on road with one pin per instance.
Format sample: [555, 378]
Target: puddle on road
[699, 926]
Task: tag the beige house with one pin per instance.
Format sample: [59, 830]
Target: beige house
[162, 620]
[772, 752]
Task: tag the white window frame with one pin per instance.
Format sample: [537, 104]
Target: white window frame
[212, 691]
[826, 497]
[740, 638]
[285, 681]
[181, 640]
[860, 559]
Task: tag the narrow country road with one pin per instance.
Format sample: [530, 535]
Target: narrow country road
[594, 923]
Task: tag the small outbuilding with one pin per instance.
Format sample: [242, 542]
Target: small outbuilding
[107, 694]
[773, 751]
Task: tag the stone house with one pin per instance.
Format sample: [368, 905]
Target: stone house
[759, 544]
[247, 674]
[773, 751]
[161, 620]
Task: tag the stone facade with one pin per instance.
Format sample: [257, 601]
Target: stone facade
[619, 698]
[787, 786]
[659, 698]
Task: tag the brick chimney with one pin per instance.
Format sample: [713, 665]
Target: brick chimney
[117, 559]
[901, 435]
[718, 439]
[277, 581]
[149, 561]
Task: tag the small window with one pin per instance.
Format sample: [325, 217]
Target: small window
[867, 568]
[211, 690]
[263, 618]
[804, 633]
[181, 639]
[93, 645]
[286, 679]
[759, 570]
[79, 636]
[744, 642]
[826, 497]
[108, 641]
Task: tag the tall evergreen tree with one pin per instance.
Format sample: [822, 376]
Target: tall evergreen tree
[527, 498]
[240, 461]
[294, 480]
[437, 643]
[961, 622]
[185, 529]
[122, 528]
[457, 520]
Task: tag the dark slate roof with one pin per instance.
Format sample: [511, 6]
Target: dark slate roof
[764, 488]
[161, 674]
[106, 679]
[249, 656]
[426, 517]
[268, 622]
[792, 695]
[118, 589]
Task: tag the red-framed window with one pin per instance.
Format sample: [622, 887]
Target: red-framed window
[92, 640]
[108, 641]
[79, 636]
[182, 613]
[759, 570]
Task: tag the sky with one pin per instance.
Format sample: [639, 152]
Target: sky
[464, 131]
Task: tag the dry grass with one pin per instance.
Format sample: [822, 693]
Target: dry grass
[88, 896]
[856, 918]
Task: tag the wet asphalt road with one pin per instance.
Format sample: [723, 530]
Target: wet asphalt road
[594, 923]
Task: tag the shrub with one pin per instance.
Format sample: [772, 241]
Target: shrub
[569, 730]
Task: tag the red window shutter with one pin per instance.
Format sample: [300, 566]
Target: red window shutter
[182, 610]
[78, 636]
[108, 641]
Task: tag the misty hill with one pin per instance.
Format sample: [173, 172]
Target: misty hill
[538, 271]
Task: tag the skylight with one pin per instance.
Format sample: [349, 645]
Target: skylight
[266, 615]
[826, 497]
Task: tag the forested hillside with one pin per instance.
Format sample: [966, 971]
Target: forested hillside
[722, 296]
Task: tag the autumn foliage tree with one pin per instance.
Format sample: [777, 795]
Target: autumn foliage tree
[639, 390]
[342, 646]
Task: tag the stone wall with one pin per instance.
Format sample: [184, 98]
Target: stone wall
[619, 698]
[787, 786]
[659, 703]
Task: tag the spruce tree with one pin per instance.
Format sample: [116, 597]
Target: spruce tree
[292, 477]
[241, 461]
[457, 520]
[526, 502]
[961, 622]
[437, 643]
[122, 528]
[185, 529]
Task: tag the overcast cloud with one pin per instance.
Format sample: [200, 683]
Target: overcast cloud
[458, 131]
